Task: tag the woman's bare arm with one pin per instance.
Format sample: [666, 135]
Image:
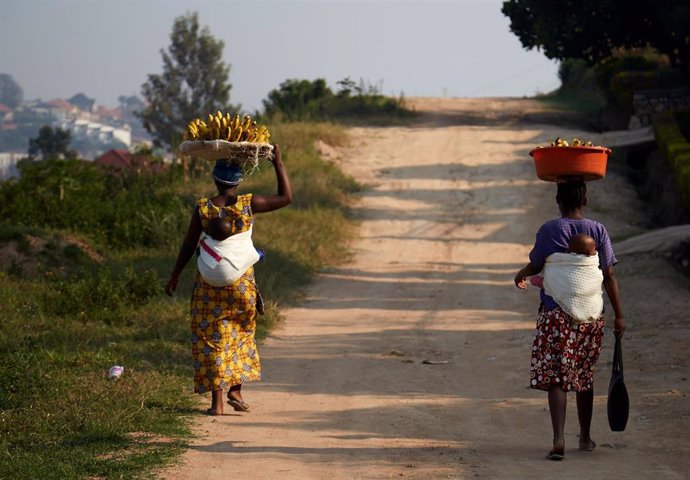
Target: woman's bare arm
[268, 203]
[526, 271]
[611, 287]
[186, 251]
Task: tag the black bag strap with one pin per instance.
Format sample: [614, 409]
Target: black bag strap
[618, 357]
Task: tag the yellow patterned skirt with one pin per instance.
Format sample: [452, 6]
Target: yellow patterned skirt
[223, 326]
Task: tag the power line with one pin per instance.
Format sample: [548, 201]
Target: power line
[506, 79]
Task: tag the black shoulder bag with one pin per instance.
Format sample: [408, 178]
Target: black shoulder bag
[618, 403]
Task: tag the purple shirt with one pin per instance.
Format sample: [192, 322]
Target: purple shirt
[553, 237]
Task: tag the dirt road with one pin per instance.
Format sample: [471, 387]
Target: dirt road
[412, 360]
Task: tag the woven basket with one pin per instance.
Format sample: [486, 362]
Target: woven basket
[552, 163]
[240, 152]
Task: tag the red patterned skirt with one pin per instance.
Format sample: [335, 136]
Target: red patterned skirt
[565, 352]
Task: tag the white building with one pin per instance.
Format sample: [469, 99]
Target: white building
[8, 164]
[84, 129]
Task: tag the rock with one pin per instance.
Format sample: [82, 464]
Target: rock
[634, 122]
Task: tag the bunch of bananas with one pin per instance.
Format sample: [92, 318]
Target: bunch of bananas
[227, 127]
[559, 142]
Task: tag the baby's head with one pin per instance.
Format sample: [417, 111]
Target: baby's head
[219, 228]
[582, 244]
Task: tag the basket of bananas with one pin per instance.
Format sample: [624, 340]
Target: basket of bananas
[228, 137]
[574, 159]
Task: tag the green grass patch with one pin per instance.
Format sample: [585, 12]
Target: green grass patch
[84, 296]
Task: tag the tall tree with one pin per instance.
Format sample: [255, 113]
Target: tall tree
[592, 29]
[51, 143]
[11, 94]
[194, 82]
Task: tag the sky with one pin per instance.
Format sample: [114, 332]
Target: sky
[106, 48]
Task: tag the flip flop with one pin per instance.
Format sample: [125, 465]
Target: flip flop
[556, 456]
[238, 405]
[209, 411]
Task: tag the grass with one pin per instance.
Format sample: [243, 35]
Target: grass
[587, 104]
[67, 318]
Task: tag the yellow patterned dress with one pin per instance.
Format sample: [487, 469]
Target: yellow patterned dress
[224, 318]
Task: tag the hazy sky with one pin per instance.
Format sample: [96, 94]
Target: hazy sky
[428, 48]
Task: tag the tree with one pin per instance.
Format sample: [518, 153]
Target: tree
[298, 99]
[131, 103]
[11, 94]
[194, 82]
[51, 144]
[592, 29]
[82, 102]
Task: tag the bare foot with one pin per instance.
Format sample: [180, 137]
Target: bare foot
[214, 411]
[587, 445]
[558, 451]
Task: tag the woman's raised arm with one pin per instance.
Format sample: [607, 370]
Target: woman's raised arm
[268, 203]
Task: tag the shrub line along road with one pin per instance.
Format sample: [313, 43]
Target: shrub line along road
[448, 215]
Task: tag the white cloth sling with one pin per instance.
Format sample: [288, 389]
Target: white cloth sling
[574, 282]
[220, 263]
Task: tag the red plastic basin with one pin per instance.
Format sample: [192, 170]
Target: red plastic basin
[551, 163]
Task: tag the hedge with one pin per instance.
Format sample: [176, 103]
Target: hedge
[676, 148]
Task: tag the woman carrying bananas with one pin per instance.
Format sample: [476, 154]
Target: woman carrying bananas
[223, 318]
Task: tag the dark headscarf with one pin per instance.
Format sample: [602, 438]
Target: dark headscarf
[227, 173]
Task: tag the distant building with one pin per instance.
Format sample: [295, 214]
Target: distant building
[8, 164]
[118, 161]
[99, 132]
[60, 109]
[38, 109]
[5, 113]
[113, 115]
[84, 103]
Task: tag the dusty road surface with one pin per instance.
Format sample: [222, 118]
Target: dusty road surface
[411, 361]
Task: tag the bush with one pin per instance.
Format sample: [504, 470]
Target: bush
[300, 100]
[621, 75]
[607, 69]
[624, 84]
[676, 148]
[122, 211]
[577, 76]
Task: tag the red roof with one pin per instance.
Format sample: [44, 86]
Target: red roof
[114, 113]
[121, 160]
[60, 103]
[4, 108]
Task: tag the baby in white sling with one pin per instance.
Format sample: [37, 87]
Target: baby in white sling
[223, 258]
[574, 279]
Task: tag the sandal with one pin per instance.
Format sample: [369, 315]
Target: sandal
[238, 405]
[555, 456]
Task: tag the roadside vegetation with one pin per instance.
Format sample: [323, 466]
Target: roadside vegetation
[84, 258]
[603, 93]
[85, 252]
[351, 102]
